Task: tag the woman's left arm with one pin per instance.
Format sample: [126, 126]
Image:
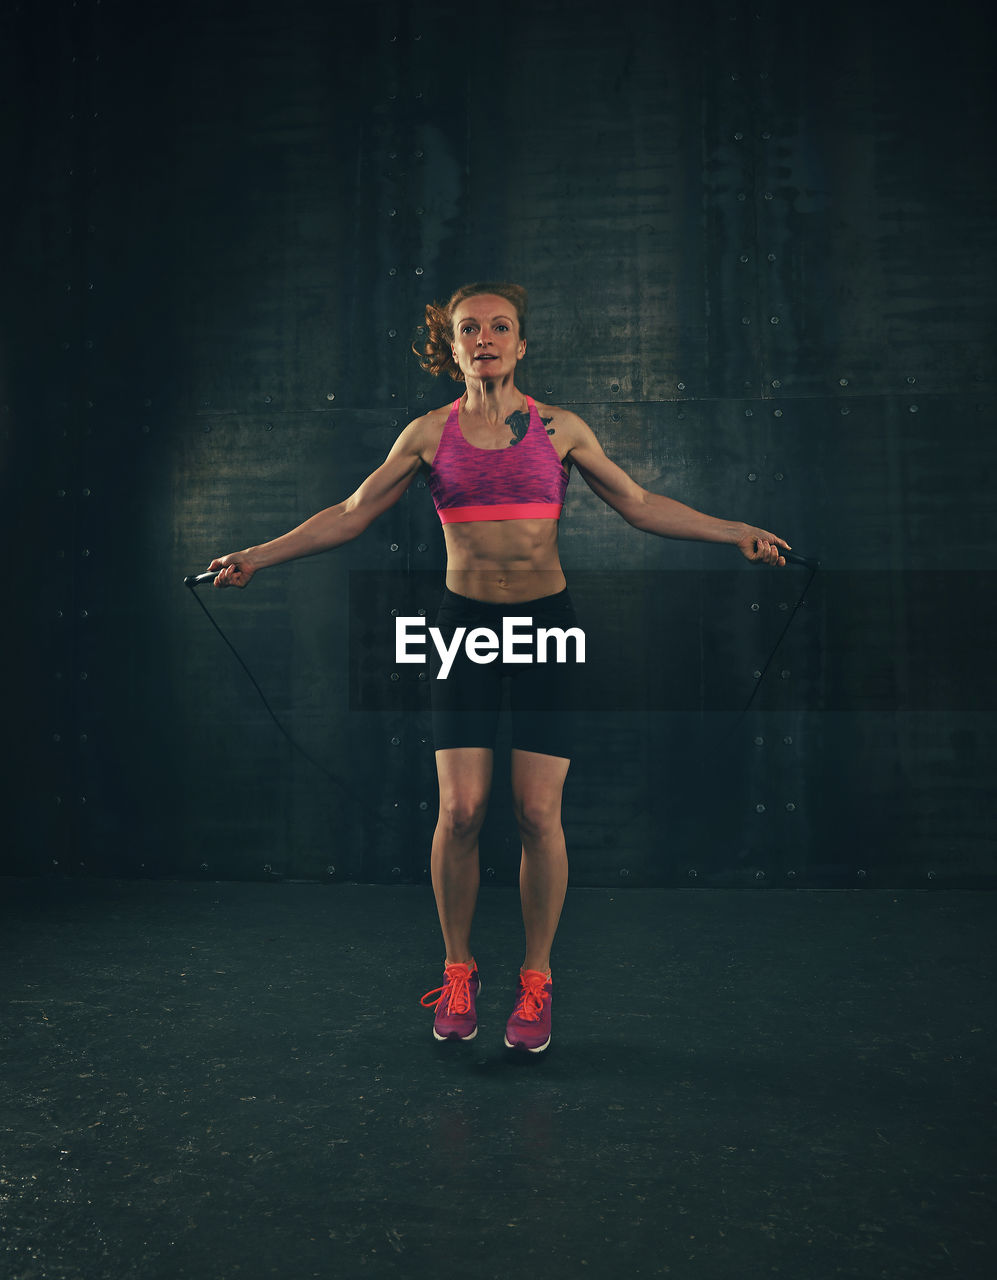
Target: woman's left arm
[653, 512]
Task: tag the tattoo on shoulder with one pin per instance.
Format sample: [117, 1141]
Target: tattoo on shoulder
[520, 423]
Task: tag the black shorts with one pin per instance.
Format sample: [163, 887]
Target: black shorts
[543, 694]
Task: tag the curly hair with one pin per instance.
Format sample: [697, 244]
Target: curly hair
[436, 337]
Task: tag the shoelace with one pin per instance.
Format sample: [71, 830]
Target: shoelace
[531, 1000]
[457, 984]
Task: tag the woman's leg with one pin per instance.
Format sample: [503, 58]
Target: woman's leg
[537, 782]
[465, 775]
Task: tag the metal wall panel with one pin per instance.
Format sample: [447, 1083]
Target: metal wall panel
[759, 245]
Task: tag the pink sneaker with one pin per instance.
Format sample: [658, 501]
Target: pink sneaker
[456, 1016]
[529, 1026]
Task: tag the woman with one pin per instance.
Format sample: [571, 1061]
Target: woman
[498, 466]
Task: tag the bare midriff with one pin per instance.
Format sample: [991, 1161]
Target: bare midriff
[503, 560]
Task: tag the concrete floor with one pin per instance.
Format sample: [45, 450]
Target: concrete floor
[237, 1080]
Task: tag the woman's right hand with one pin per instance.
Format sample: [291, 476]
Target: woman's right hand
[235, 569]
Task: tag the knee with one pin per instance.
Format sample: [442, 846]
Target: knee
[538, 817]
[461, 817]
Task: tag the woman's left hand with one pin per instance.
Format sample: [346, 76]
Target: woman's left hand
[762, 547]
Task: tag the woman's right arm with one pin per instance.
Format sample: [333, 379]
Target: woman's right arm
[335, 525]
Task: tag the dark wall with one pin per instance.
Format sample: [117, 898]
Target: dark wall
[759, 245]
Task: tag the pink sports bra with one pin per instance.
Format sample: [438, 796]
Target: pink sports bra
[524, 481]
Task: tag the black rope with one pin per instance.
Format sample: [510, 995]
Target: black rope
[761, 675]
[814, 566]
[301, 751]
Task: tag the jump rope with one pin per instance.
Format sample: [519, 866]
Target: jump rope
[200, 579]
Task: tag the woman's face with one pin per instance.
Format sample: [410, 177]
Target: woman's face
[486, 342]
